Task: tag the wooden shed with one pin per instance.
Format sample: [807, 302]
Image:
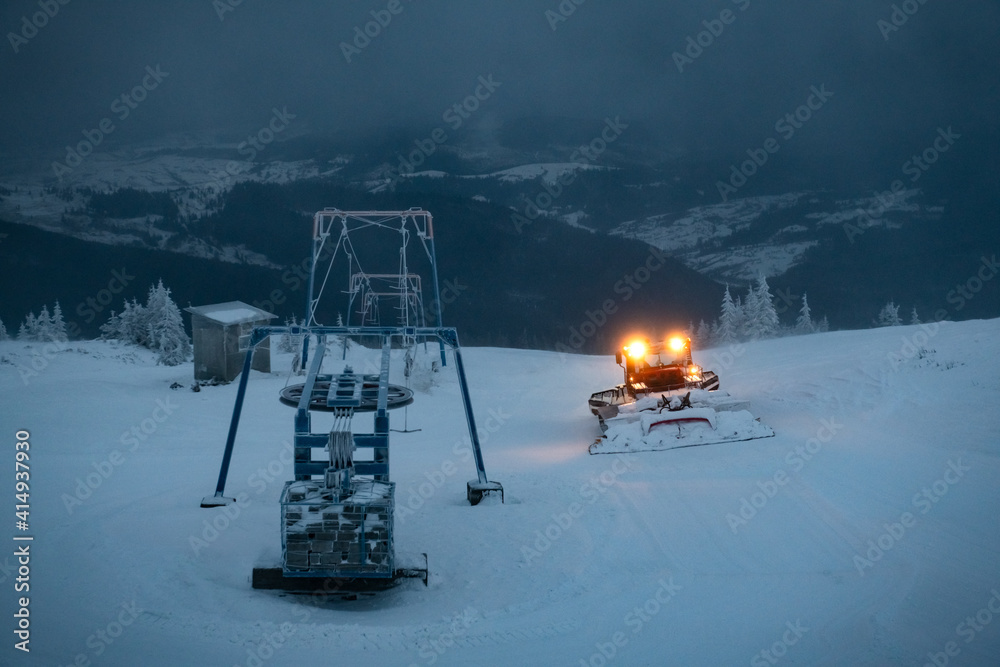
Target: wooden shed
[216, 330]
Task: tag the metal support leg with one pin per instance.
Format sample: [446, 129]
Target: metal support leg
[218, 499]
[476, 489]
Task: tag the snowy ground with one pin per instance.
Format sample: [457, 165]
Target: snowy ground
[868, 533]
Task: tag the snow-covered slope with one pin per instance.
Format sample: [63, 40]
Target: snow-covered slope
[676, 233]
[195, 183]
[701, 237]
[548, 172]
[864, 533]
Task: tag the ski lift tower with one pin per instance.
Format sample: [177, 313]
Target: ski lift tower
[332, 240]
[337, 513]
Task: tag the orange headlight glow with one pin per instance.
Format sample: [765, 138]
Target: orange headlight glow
[636, 349]
[677, 343]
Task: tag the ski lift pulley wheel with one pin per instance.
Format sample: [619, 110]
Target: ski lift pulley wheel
[397, 396]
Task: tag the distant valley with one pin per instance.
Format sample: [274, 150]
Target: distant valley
[537, 238]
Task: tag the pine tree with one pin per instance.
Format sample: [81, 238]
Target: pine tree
[288, 342]
[285, 342]
[29, 328]
[158, 325]
[343, 341]
[739, 318]
[133, 323]
[804, 323]
[44, 331]
[152, 315]
[165, 327]
[767, 322]
[748, 315]
[704, 334]
[297, 340]
[728, 321]
[889, 316]
[3, 332]
[58, 324]
[823, 326]
[126, 326]
[914, 318]
[111, 329]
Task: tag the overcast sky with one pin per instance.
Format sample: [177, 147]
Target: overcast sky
[608, 58]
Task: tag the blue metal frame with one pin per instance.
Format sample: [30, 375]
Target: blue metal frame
[344, 396]
[426, 235]
[305, 441]
[437, 295]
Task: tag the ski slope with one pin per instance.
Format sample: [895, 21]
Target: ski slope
[864, 533]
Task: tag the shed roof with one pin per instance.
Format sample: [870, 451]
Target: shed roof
[231, 312]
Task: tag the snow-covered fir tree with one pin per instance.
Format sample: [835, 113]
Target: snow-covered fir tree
[58, 324]
[343, 341]
[134, 322]
[111, 330]
[288, 342]
[3, 331]
[804, 323]
[285, 341]
[889, 316]
[745, 307]
[751, 318]
[704, 334]
[46, 328]
[766, 321]
[914, 318]
[727, 332]
[739, 316]
[158, 325]
[748, 314]
[43, 326]
[165, 327]
[823, 326]
[29, 328]
[128, 326]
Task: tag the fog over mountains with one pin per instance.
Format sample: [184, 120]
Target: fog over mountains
[847, 150]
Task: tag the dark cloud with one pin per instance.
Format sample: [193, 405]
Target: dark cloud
[606, 58]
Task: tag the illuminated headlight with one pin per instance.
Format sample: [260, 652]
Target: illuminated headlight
[636, 350]
[676, 344]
